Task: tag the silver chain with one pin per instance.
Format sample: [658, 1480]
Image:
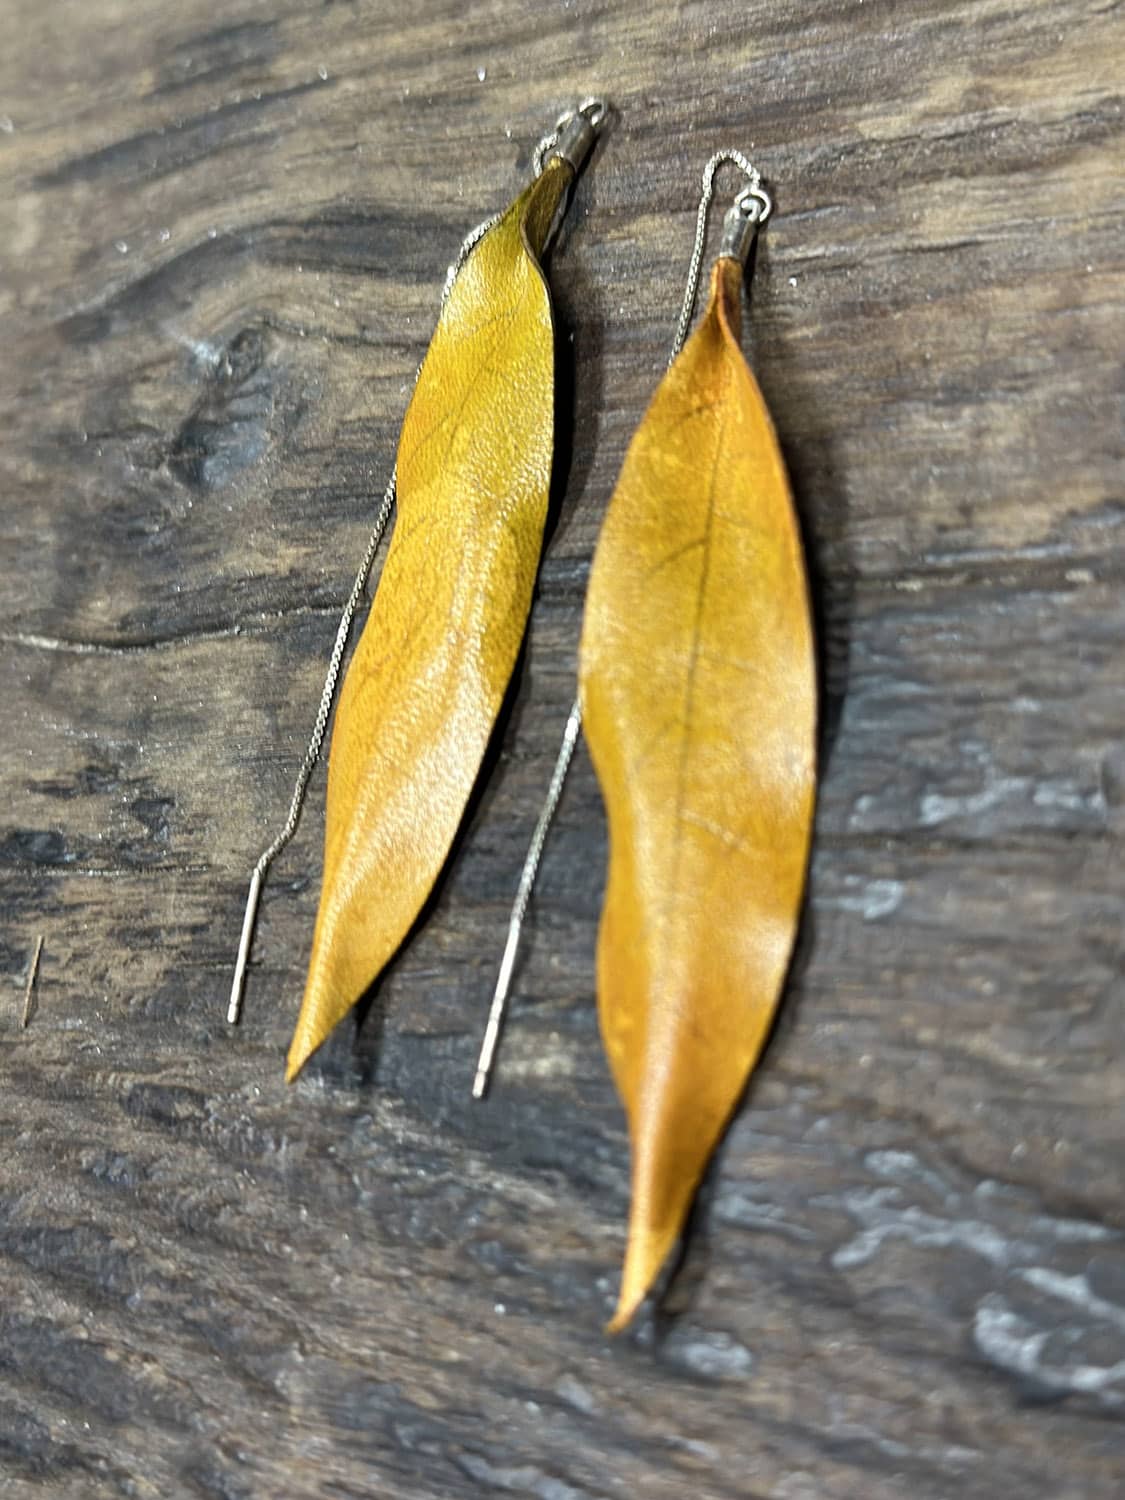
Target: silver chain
[343, 630]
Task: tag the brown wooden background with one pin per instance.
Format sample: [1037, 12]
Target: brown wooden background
[223, 229]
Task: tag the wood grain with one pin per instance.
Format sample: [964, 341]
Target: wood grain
[222, 237]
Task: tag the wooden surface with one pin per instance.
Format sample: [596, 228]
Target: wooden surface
[223, 230]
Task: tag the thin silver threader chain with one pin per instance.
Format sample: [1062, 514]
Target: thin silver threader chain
[755, 203]
[312, 753]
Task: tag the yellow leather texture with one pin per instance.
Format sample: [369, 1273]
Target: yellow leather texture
[698, 686]
[431, 668]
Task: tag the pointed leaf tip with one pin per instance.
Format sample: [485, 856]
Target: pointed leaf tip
[648, 1246]
[294, 1063]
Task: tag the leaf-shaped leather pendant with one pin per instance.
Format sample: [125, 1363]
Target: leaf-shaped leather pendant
[698, 687]
[430, 671]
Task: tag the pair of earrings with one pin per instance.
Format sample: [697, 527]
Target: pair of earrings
[697, 689]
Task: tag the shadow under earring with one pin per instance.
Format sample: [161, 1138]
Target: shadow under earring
[697, 691]
[430, 671]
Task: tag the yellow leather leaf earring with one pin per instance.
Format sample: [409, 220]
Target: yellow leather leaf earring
[429, 674]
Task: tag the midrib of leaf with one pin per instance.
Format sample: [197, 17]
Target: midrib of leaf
[692, 666]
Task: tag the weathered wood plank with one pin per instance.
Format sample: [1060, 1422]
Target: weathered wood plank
[222, 243]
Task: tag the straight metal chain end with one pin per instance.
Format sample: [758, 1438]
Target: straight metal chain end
[530, 869]
[238, 984]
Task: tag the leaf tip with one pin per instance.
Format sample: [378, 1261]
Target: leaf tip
[310, 1031]
[299, 1053]
[645, 1254]
[330, 992]
[626, 1312]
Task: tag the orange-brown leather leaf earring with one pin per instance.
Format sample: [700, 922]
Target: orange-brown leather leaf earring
[429, 674]
[697, 691]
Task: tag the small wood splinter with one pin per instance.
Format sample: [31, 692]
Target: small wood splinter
[29, 987]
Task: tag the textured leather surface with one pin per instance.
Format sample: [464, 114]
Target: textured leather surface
[428, 676]
[698, 685]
